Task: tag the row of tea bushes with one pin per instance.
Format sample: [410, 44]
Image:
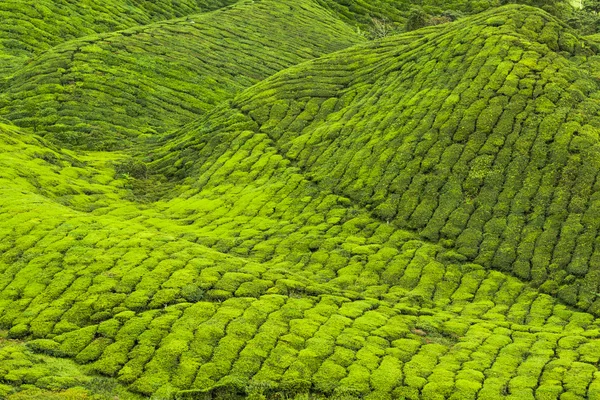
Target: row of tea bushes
[33, 26]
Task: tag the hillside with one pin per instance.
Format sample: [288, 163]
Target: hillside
[478, 136]
[32, 26]
[156, 77]
[297, 212]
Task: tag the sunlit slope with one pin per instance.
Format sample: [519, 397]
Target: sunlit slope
[260, 281]
[46, 377]
[31, 26]
[296, 247]
[102, 91]
[480, 135]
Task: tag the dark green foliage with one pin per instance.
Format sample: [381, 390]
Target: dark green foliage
[37, 25]
[132, 168]
[416, 19]
[591, 5]
[151, 79]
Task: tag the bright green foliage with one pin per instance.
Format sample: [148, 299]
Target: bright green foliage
[410, 218]
[500, 162]
[29, 376]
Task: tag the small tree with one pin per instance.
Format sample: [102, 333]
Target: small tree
[380, 27]
[416, 19]
[592, 6]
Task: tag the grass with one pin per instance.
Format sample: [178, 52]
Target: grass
[323, 217]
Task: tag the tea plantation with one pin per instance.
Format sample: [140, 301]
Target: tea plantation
[254, 199]
[159, 76]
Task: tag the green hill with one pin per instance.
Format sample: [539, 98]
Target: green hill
[157, 77]
[32, 26]
[412, 217]
[478, 135]
[301, 291]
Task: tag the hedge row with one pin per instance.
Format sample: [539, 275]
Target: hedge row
[358, 226]
[341, 305]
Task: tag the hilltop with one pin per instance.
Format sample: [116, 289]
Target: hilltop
[291, 209]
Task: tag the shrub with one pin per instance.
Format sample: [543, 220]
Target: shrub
[416, 19]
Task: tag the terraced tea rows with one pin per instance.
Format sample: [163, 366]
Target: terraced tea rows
[31, 26]
[396, 12]
[168, 315]
[488, 147]
[308, 237]
[157, 77]
[34, 26]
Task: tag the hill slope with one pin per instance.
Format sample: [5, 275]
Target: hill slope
[340, 229]
[34, 26]
[31, 26]
[301, 292]
[479, 135]
[157, 77]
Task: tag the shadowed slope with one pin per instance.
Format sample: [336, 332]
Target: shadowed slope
[31, 26]
[101, 92]
[396, 12]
